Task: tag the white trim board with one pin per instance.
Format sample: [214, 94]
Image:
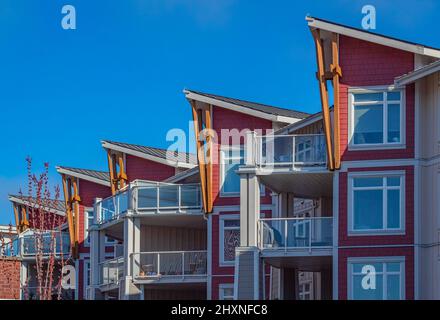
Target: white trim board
[75, 174]
[237, 108]
[372, 37]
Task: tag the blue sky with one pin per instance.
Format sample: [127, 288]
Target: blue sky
[121, 73]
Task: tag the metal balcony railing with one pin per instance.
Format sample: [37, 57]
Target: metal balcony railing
[111, 271]
[295, 233]
[289, 150]
[11, 249]
[171, 264]
[150, 197]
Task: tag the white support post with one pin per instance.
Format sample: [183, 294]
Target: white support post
[250, 148]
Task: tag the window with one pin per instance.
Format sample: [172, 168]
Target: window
[229, 239]
[388, 276]
[226, 292]
[376, 117]
[231, 159]
[377, 203]
[88, 224]
[305, 285]
[87, 271]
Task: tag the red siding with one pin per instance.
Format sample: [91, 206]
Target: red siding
[368, 64]
[227, 119]
[407, 252]
[138, 168]
[88, 191]
[407, 238]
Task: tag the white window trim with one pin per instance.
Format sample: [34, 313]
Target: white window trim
[372, 260]
[384, 144]
[350, 205]
[86, 242]
[222, 169]
[221, 289]
[222, 219]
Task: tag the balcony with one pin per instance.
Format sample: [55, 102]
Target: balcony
[57, 243]
[146, 197]
[170, 267]
[111, 272]
[50, 242]
[296, 236]
[295, 152]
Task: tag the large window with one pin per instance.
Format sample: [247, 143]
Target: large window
[231, 158]
[376, 117]
[229, 239]
[88, 224]
[376, 203]
[376, 279]
[226, 291]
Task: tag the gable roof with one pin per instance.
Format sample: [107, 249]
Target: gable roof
[99, 177]
[405, 45]
[175, 159]
[253, 108]
[300, 124]
[53, 206]
[418, 73]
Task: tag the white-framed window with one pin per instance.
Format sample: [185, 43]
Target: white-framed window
[231, 157]
[376, 202]
[377, 118]
[226, 291]
[229, 238]
[386, 273]
[87, 275]
[305, 285]
[88, 223]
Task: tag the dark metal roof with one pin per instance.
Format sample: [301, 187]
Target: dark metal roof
[256, 106]
[374, 33]
[51, 203]
[184, 157]
[101, 175]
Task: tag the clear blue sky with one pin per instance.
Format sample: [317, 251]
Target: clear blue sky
[120, 74]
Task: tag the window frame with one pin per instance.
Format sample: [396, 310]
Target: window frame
[385, 144]
[87, 270]
[221, 289]
[222, 219]
[377, 260]
[384, 175]
[222, 170]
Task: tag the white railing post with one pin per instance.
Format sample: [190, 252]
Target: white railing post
[179, 197]
[158, 263]
[183, 264]
[250, 148]
[158, 198]
[293, 151]
[285, 235]
[310, 234]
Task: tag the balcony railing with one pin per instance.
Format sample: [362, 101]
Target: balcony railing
[50, 243]
[295, 233]
[150, 197]
[290, 150]
[111, 271]
[169, 264]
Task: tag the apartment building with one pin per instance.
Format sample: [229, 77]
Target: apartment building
[374, 171]
[277, 203]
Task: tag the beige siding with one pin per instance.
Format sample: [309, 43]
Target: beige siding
[429, 101]
[160, 238]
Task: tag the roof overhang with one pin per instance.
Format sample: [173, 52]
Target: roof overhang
[371, 37]
[75, 174]
[418, 74]
[34, 205]
[182, 175]
[234, 107]
[301, 124]
[176, 164]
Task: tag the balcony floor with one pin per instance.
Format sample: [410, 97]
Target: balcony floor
[306, 184]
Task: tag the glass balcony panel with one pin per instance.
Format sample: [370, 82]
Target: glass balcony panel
[147, 197]
[190, 196]
[169, 196]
